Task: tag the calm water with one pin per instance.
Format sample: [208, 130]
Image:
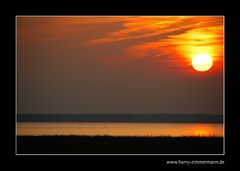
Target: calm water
[119, 129]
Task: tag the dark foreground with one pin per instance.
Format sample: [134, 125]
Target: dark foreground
[118, 145]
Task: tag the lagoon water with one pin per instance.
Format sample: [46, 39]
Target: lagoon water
[119, 129]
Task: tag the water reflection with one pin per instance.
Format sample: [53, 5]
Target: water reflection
[120, 129]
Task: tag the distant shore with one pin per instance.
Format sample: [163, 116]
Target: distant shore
[131, 118]
[118, 145]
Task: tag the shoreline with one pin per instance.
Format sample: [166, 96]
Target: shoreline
[118, 145]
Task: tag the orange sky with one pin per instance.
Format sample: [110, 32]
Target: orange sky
[151, 47]
[178, 37]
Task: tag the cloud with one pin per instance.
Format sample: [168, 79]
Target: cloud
[176, 39]
[44, 30]
[139, 27]
[142, 27]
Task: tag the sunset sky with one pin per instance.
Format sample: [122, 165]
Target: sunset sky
[118, 64]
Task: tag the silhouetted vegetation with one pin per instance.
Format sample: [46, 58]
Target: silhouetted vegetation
[118, 145]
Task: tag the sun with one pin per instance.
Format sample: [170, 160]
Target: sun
[202, 62]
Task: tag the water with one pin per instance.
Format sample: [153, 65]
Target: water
[119, 129]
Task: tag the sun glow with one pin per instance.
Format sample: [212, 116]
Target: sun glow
[199, 41]
[202, 62]
[201, 130]
[201, 133]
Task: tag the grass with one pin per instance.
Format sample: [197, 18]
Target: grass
[118, 145]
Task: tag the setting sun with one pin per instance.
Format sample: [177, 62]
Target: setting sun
[202, 62]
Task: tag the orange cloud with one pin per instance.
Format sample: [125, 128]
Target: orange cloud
[41, 30]
[178, 39]
[171, 40]
[140, 27]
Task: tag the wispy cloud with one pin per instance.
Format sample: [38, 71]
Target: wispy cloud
[42, 30]
[140, 27]
[178, 38]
